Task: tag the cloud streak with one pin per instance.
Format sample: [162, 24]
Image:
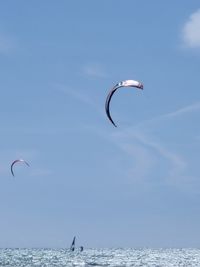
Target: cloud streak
[94, 70]
[146, 157]
[153, 150]
[146, 153]
[191, 32]
[142, 160]
[6, 44]
[177, 164]
[171, 115]
[182, 111]
[81, 96]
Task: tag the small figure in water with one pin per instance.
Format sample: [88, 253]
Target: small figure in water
[81, 248]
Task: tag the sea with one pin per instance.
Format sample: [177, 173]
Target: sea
[115, 257]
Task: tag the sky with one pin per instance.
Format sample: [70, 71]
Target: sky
[137, 185]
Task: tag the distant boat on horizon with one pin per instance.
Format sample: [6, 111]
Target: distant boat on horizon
[72, 247]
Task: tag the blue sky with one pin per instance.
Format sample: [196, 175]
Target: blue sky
[131, 186]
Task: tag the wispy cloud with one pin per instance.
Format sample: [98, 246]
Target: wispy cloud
[178, 171]
[152, 149]
[94, 70]
[6, 44]
[81, 96]
[171, 115]
[191, 30]
[146, 157]
[40, 172]
[142, 160]
[178, 166]
[147, 151]
[177, 163]
[182, 111]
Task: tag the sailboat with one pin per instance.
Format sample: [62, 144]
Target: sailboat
[72, 247]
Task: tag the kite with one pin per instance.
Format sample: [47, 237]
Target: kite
[16, 161]
[126, 83]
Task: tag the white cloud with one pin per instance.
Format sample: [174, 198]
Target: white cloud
[73, 92]
[79, 95]
[171, 115]
[94, 70]
[40, 172]
[145, 155]
[148, 150]
[139, 162]
[178, 165]
[6, 44]
[154, 150]
[142, 160]
[146, 159]
[191, 30]
[184, 110]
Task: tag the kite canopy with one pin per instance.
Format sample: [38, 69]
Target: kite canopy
[16, 161]
[126, 83]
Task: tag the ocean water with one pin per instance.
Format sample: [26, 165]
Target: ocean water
[100, 257]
